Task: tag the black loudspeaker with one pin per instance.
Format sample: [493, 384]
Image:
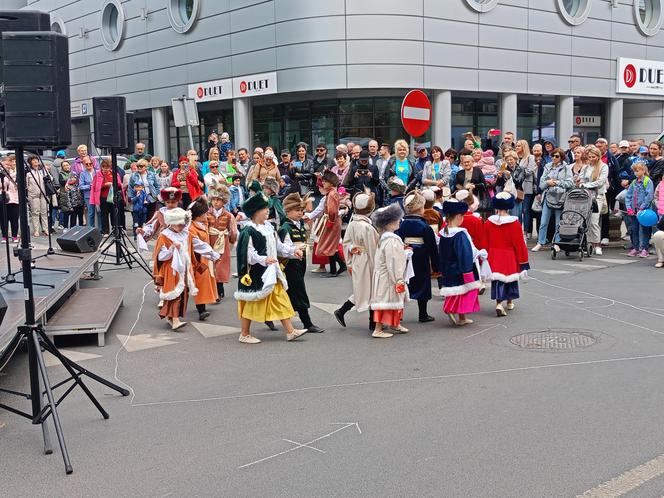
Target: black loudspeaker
[80, 239]
[3, 308]
[110, 122]
[24, 20]
[34, 95]
[131, 125]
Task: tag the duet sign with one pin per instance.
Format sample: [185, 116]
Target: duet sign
[640, 76]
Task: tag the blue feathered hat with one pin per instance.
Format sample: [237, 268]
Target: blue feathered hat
[503, 201]
[453, 206]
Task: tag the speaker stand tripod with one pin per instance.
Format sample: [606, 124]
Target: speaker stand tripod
[117, 245]
[33, 333]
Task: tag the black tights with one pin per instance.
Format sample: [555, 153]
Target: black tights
[200, 308]
[422, 306]
[220, 289]
[334, 260]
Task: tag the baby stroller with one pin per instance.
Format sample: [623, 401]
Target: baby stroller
[574, 222]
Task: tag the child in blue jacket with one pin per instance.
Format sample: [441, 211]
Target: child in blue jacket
[639, 196]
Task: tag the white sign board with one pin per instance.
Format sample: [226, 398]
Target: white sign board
[81, 108]
[588, 121]
[255, 84]
[185, 112]
[209, 91]
[640, 76]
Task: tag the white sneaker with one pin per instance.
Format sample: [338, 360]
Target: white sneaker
[399, 330]
[598, 251]
[537, 248]
[604, 242]
[381, 335]
[249, 339]
[295, 334]
[556, 247]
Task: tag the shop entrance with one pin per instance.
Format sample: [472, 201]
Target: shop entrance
[588, 135]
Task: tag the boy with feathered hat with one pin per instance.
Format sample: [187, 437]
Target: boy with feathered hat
[418, 235]
[271, 188]
[222, 228]
[172, 267]
[360, 243]
[293, 233]
[262, 286]
[203, 257]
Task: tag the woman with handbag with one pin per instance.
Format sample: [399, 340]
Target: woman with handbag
[526, 188]
[102, 195]
[36, 186]
[472, 179]
[594, 177]
[556, 180]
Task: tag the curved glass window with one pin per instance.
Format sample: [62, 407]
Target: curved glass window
[574, 11]
[112, 24]
[183, 14]
[648, 14]
[482, 5]
[58, 25]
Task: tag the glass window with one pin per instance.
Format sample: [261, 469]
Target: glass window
[648, 14]
[472, 115]
[574, 11]
[58, 25]
[112, 24]
[183, 14]
[482, 5]
[536, 121]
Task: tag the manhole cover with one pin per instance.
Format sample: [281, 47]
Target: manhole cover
[554, 340]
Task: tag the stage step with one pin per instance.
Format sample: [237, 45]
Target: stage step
[87, 311]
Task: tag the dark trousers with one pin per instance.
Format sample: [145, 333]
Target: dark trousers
[106, 216]
[74, 217]
[11, 217]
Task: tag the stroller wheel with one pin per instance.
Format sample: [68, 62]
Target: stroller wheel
[581, 255]
[566, 253]
[553, 254]
[591, 250]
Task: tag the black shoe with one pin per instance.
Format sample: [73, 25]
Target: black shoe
[340, 317]
[270, 325]
[203, 315]
[329, 275]
[424, 319]
[341, 270]
[218, 300]
[315, 330]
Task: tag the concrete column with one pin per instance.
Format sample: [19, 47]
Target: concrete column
[564, 119]
[92, 135]
[243, 123]
[507, 113]
[442, 119]
[160, 133]
[614, 116]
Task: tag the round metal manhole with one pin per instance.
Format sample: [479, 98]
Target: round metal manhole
[554, 340]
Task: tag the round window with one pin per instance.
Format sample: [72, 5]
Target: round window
[648, 14]
[183, 14]
[482, 5]
[58, 25]
[574, 11]
[112, 24]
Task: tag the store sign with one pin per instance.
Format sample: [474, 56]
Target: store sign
[640, 76]
[81, 108]
[211, 90]
[257, 84]
[588, 121]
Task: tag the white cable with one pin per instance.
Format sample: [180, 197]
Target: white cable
[122, 346]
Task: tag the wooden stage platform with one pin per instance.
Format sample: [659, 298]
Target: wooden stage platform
[45, 298]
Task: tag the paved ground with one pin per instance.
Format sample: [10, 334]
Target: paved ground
[441, 411]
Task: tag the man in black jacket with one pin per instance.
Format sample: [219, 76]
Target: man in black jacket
[362, 175]
[321, 161]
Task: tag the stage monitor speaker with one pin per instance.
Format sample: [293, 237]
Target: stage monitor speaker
[3, 308]
[110, 117]
[24, 20]
[80, 239]
[131, 125]
[34, 95]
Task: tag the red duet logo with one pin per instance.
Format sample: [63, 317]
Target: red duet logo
[629, 75]
[243, 87]
[200, 92]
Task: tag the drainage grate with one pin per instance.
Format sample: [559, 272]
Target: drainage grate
[554, 340]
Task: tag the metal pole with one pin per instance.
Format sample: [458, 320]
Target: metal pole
[186, 118]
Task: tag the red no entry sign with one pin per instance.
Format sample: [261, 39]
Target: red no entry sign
[416, 113]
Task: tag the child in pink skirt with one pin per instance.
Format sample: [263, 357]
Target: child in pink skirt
[460, 278]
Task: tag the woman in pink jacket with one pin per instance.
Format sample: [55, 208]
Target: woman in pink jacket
[102, 184]
[658, 237]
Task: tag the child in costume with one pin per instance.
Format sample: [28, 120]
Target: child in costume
[360, 244]
[202, 257]
[460, 277]
[431, 216]
[172, 267]
[293, 233]
[508, 254]
[418, 235]
[328, 241]
[223, 232]
[271, 188]
[261, 293]
[171, 197]
[473, 223]
[390, 279]
[397, 189]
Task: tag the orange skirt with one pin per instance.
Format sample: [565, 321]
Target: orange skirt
[391, 318]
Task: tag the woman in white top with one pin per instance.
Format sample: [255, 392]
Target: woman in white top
[593, 177]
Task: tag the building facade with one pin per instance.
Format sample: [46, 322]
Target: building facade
[282, 71]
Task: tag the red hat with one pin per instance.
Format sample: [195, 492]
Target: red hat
[171, 194]
[183, 159]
